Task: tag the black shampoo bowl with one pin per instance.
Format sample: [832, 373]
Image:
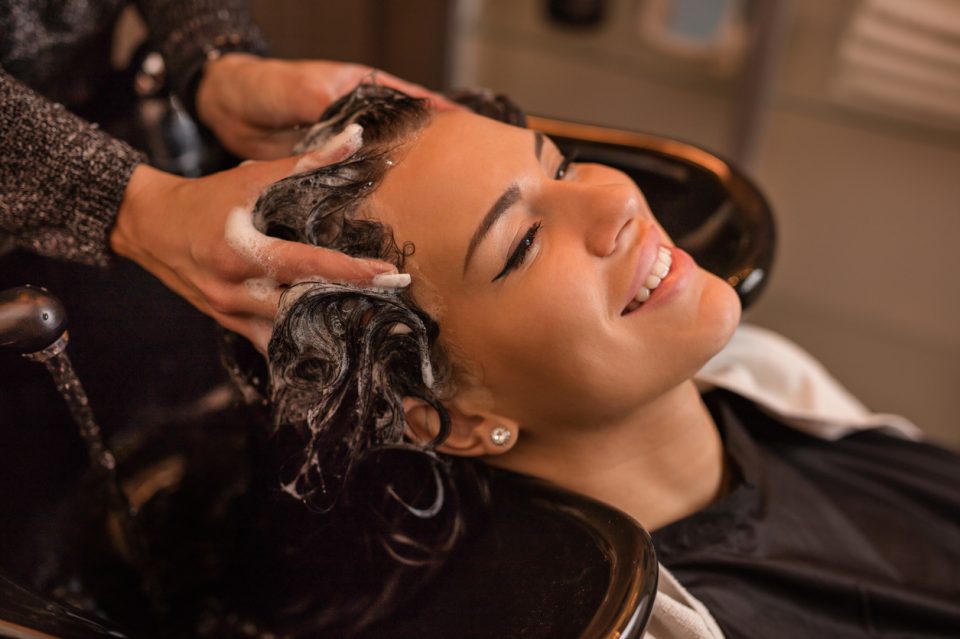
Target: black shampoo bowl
[542, 563]
[547, 564]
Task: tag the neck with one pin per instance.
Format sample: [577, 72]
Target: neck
[660, 465]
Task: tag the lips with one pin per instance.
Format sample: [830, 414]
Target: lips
[647, 254]
[659, 271]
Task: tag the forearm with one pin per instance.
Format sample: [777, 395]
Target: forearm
[62, 180]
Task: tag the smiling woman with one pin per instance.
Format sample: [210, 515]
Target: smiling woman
[515, 251]
[553, 329]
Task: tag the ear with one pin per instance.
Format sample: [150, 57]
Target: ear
[470, 430]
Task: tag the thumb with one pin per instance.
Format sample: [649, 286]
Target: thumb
[336, 149]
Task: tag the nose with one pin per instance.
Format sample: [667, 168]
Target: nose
[598, 213]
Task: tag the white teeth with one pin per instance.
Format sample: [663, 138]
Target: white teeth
[659, 271]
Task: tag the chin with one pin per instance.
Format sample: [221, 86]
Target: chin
[720, 313]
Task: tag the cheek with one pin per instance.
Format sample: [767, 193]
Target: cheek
[530, 349]
[534, 328]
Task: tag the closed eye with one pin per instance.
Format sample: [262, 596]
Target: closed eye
[519, 254]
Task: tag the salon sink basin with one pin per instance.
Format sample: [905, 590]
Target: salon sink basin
[541, 562]
[548, 564]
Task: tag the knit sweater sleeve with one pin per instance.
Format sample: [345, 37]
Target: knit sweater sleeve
[185, 31]
[61, 178]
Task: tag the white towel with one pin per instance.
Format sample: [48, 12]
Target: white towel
[679, 615]
[790, 384]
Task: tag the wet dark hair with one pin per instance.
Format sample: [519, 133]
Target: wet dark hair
[341, 360]
[342, 357]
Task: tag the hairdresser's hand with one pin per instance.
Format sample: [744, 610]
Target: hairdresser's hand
[257, 106]
[196, 235]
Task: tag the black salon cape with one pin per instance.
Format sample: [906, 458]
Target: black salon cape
[854, 538]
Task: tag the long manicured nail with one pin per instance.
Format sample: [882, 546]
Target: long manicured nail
[391, 280]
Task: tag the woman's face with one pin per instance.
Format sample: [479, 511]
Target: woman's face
[529, 274]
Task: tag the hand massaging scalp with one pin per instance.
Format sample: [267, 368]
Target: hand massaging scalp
[241, 235]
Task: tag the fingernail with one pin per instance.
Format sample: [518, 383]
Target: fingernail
[391, 280]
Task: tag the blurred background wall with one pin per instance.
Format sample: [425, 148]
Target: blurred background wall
[846, 112]
[409, 38]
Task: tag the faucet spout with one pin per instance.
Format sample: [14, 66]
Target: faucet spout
[31, 319]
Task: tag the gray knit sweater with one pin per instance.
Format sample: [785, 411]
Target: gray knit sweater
[62, 179]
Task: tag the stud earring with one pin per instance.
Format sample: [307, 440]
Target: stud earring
[500, 436]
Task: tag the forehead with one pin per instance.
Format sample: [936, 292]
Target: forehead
[453, 142]
[444, 181]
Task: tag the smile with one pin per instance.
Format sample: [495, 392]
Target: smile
[660, 270]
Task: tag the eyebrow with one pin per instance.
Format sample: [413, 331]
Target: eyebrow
[503, 203]
[507, 199]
